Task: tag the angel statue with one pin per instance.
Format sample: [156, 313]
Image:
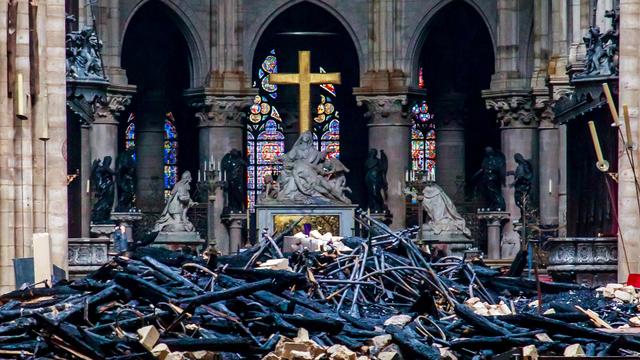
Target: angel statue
[174, 216]
[443, 215]
[104, 190]
[522, 179]
[126, 180]
[375, 180]
[491, 177]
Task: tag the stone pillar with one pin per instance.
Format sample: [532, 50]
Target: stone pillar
[150, 164]
[629, 214]
[85, 176]
[549, 169]
[389, 130]
[449, 115]
[221, 129]
[518, 135]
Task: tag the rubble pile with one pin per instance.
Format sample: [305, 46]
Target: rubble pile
[385, 299]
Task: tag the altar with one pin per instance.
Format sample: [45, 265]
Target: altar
[338, 219]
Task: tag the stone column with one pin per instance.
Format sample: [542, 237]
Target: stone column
[389, 130]
[629, 216]
[549, 168]
[221, 129]
[85, 176]
[449, 115]
[518, 135]
[150, 164]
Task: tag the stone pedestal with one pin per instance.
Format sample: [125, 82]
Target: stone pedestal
[102, 231]
[87, 255]
[127, 219]
[178, 240]
[495, 220]
[452, 241]
[235, 223]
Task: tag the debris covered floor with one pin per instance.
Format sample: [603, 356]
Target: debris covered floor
[383, 299]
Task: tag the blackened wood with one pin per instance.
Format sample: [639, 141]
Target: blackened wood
[167, 271]
[518, 264]
[231, 293]
[90, 301]
[143, 288]
[230, 344]
[315, 323]
[280, 276]
[412, 346]
[33, 293]
[480, 323]
[532, 321]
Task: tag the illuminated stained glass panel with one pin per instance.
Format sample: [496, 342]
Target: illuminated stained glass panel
[130, 134]
[423, 139]
[326, 129]
[265, 138]
[170, 151]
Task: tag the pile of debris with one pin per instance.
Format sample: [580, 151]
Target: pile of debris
[385, 299]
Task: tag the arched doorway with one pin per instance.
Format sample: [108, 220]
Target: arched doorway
[338, 123]
[455, 63]
[157, 60]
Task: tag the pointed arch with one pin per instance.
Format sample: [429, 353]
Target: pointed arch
[418, 38]
[182, 16]
[249, 66]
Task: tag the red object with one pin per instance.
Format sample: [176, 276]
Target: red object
[545, 278]
[634, 280]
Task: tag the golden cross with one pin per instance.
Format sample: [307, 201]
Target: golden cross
[304, 79]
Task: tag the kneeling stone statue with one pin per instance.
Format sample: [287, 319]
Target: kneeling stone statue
[444, 218]
[174, 216]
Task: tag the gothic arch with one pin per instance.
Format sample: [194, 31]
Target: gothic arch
[417, 40]
[182, 15]
[277, 12]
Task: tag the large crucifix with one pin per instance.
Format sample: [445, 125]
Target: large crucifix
[304, 79]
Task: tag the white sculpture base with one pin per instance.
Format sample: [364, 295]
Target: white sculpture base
[454, 241]
[337, 219]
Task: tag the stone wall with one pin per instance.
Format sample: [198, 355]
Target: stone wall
[33, 188]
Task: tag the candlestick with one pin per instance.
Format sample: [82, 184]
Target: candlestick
[627, 125]
[612, 105]
[602, 164]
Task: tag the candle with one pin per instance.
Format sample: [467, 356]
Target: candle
[550, 186]
[205, 166]
[88, 186]
[612, 105]
[199, 179]
[406, 175]
[627, 125]
[602, 164]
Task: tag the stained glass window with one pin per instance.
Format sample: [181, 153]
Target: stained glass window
[326, 126]
[423, 139]
[130, 134]
[170, 154]
[265, 138]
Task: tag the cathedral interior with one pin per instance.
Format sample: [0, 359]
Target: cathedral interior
[243, 133]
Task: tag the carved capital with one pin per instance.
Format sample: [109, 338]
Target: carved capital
[117, 103]
[546, 115]
[215, 111]
[380, 107]
[514, 111]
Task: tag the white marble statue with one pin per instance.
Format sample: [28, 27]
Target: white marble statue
[443, 216]
[174, 216]
[307, 177]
